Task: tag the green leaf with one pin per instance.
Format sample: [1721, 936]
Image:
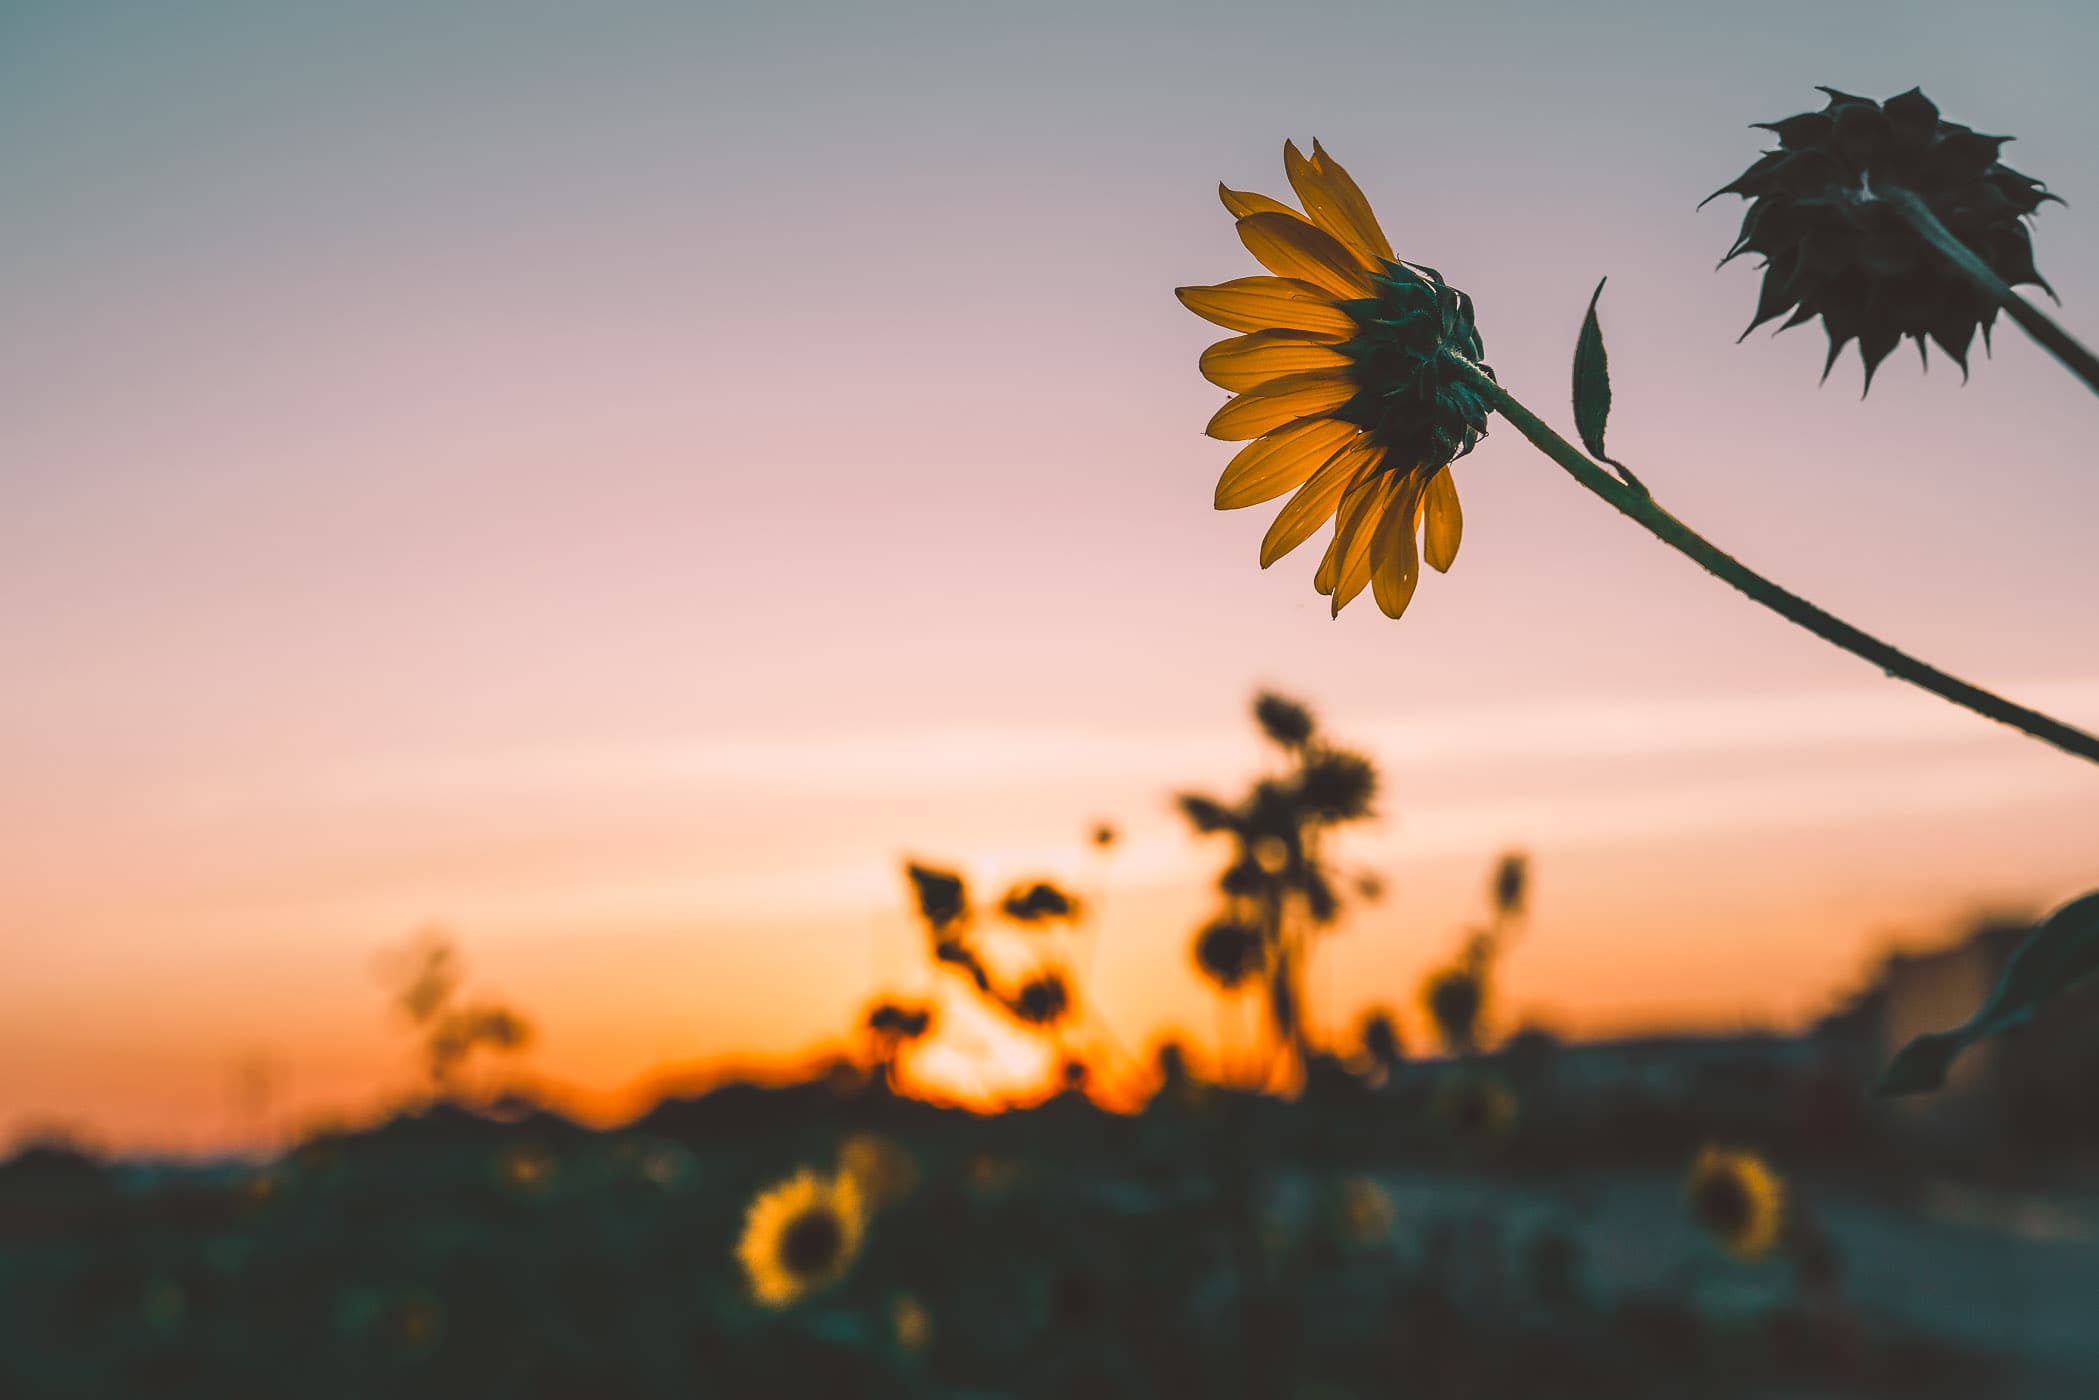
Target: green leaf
[1592, 381]
[2062, 951]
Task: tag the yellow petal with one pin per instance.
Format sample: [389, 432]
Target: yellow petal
[1279, 401]
[1335, 202]
[1242, 203]
[1314, 503]
[1247, 360]
[1289, 247]
[1268, 303]
[1282, 461]
[1361, 492]
[1445, 522]
[1357, 531]
[1395, 564]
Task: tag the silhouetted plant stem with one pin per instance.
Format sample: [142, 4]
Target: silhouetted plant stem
[1642, 508]
[2036, 323]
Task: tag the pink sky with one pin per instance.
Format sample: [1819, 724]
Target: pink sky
[615, 486]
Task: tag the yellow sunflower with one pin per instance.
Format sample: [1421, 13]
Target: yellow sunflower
[1738, 1199]
[801, 1236]
[1345, 391]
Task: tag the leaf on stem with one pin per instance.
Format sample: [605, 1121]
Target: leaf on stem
[2062, 951]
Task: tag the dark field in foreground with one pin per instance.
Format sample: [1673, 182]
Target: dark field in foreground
[1350, 1243]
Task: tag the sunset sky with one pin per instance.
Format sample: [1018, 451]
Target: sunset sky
[614, 480]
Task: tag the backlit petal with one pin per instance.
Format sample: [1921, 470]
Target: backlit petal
[1336, 203]
[1282, 461]
[1268, 303]
[1357, 531]
[1244, 361]
[1243, 202]
[1444, 523]
[1315, 501]
[1290, 247]
[1395, 564]
[1279, 401]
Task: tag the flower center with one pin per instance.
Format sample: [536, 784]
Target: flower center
[812, 1243]
[1408, 396]
[1723, 1203]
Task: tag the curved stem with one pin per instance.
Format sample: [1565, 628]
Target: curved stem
[1644, 511]
[2036, 322]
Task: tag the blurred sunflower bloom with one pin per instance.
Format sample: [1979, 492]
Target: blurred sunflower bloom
[1738, 1199]
[1344, 394]
[801, 1236]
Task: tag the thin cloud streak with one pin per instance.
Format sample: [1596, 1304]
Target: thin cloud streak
[966, 758]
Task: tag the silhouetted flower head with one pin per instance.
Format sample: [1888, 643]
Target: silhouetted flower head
[1738, 1199]
[1337, 786]
[1381, 1041]
[943, 901]
[1104, 835]
[1511, 882]
[1038, 903]
[1346, 394]
[801, 1236]
[1833, 246]
[1283, 720]
[1042, 1000]
[1229, 952]
[1370, 887]
[896, 1021]
[1073, 1074]
[1454, 999]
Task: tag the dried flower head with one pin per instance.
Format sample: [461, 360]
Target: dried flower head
[1038, 902]
[1345, 392]
[1834, 245]
[1042, 1000]
[1229, 952]
[1283, 720]
[1455, 998]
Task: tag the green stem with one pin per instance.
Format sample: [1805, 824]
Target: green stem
[2036, 323]
[1643, 510]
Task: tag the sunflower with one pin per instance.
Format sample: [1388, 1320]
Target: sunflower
[1345, 392]
[801, 1236]
[1739, 1199]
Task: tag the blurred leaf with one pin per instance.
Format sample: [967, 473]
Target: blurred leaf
[2062, 951]
[1206, 814]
